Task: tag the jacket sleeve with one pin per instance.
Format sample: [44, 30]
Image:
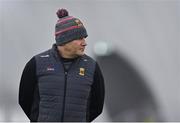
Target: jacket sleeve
[26, 88]
[97, 94]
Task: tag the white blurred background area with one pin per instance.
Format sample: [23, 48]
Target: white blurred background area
[136, 43]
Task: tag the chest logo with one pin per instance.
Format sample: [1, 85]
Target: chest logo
[81, 71]
[50, 69]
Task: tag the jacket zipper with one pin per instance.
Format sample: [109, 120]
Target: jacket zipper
[62, 117]
[65, 87]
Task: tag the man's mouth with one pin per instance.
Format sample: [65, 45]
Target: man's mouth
[82, 49]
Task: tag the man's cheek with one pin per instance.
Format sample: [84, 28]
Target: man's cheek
[77, 43]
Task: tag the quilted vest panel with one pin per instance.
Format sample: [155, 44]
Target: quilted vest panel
[63, 97]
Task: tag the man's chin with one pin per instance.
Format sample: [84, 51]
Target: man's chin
[81, 54]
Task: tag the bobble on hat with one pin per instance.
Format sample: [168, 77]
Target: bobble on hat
[62, 13]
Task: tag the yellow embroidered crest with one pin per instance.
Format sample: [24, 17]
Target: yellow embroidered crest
[81, 71]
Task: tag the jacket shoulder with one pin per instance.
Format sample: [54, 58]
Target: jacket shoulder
[43, 54]
[88, 58]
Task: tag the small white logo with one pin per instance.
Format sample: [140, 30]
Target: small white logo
[85, 59]
[44, 56]
[50, 69]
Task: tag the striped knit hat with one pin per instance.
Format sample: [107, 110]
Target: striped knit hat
[68, 28]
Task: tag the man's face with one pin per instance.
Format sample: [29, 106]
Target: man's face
[76, 47]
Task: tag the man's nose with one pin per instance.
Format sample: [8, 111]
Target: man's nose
[83, 42]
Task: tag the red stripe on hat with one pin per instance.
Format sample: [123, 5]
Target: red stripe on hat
[64, 30]
[64, 20]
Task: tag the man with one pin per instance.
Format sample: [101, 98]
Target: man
[63, 83]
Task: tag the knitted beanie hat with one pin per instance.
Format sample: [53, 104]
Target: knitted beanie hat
[68, 28]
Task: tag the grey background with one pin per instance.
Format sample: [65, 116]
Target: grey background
[146, 32]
